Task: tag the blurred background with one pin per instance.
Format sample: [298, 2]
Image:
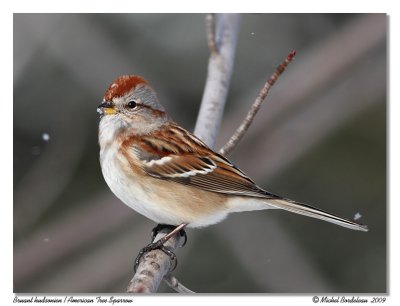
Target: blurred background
[320, 138]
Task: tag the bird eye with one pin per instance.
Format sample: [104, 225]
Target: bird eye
[131, 104]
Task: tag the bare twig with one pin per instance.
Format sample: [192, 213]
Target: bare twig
[172, 233]
[220, 67]
[154, 265]
[235, 138]
[173, 283]
[210, 25]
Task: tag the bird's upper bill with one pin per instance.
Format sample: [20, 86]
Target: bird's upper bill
[106, 108]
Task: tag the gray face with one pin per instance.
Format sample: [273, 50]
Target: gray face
[146, 95]
[140, 101]
[139, 109]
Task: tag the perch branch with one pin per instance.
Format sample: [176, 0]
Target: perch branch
[235, 138]
[220, 67]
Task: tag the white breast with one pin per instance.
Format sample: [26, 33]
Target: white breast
[123, 183]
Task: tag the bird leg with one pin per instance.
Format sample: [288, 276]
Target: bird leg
[159, 244]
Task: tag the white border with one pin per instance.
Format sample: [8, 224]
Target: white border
[126, 6]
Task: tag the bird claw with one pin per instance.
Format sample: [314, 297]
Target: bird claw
[160, 246]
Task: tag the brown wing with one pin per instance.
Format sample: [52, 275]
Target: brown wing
[175, 154]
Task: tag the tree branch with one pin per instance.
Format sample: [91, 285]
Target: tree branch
[235, 138]
[220, 67]
[156, 265]
[210, 26]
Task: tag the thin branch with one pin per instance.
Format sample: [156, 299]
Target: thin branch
[211, 40]
[220, 67]
[173, 283]
[154, 265]
[174, 232]
[235, 138]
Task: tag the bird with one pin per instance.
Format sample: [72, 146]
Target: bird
[169, 175]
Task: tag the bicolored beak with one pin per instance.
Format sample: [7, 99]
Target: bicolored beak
[106, 108]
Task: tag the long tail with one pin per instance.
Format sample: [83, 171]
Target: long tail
[309, 211]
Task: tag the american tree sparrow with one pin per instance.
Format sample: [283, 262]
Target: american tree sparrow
[169, 175]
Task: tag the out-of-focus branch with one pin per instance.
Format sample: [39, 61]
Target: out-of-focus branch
[220, 67]
[235, 138]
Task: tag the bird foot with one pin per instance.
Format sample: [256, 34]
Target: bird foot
[159, 245]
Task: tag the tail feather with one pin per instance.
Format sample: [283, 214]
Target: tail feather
[310, 211]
